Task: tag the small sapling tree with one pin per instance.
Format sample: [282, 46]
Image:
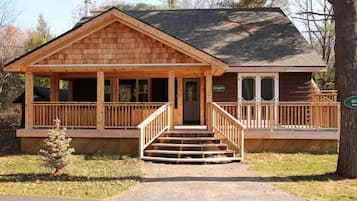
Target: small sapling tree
[57, 153]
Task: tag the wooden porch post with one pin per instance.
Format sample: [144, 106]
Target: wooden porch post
[100, 100]
[202, 100]
[115, 89]
[29, 100]
[54, 89]
[171, 98]
[70, 90]
[208, 100]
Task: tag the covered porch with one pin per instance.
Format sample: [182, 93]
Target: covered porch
[119, 100]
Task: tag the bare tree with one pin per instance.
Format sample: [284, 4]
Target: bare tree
[7, 13]
[316, 18]
[10, 47]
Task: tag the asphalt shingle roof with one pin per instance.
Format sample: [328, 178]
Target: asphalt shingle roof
[239, 37]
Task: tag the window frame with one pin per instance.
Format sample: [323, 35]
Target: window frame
[258, 88]
[136, 90]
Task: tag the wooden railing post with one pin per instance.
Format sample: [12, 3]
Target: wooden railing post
[171, 93]
[209, 100]
[271, 116]
[29, 100]
[100, 100]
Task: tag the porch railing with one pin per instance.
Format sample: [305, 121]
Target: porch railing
[128, 115]
[324, 96]
[229, 127]
[153, 126]
[71, 114]
[286, 115]
[83, 114]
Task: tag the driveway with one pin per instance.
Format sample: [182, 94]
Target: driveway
[217, 182]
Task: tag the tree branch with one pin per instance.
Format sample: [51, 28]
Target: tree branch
[315, 13]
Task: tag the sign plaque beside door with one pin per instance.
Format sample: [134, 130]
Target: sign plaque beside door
[219, 88]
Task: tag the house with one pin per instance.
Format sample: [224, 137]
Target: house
[181, 85]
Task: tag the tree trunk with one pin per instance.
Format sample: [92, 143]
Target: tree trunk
[346, 82]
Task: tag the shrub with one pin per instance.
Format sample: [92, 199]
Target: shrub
[57, 153]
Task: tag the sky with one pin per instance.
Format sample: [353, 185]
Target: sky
[57, 13]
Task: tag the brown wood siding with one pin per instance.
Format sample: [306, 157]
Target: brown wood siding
[295, 86]
[229, 80]
[117, 44]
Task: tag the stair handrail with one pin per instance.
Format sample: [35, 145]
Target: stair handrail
[228, 126]
[153, 126]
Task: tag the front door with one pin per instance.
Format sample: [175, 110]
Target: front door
[191, 101]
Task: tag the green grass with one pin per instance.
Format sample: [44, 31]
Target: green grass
[310, 176]
[89, 177]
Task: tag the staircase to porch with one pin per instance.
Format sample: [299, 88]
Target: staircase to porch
[189, 146]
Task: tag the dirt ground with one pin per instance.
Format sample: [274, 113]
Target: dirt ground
[226, 182]
[9, 144]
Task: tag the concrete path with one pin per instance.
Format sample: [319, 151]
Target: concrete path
[33, 198]
[218, 182]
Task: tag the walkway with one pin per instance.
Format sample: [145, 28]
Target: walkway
[223, 182]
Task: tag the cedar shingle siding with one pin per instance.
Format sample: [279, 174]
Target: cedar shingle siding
[117, 44]
[295, 86]
[229, 80]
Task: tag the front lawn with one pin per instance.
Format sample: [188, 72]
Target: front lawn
[89, 176]
[310, 176]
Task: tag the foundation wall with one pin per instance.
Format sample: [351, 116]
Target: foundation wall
[88, 145]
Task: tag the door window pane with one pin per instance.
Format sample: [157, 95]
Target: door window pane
[191, 91]
[248, 89]
[267, 92]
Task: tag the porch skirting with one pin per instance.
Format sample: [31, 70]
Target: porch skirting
[291, 145]
[121, 146]
[130, 146]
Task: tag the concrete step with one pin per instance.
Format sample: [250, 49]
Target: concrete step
[188, 134]
[187, 147]
[192, 160]
[188, 140]
[190, 152]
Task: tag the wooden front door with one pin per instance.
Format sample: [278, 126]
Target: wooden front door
[191, 101]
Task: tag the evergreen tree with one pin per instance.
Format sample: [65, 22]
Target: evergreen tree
[40, 36]
[57, 153]
[36, 39]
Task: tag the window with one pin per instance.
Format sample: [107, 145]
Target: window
[248, 89]
[267, 86]
[258, 87]
[134, 90]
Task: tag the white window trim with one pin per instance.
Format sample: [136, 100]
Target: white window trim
[258, 77]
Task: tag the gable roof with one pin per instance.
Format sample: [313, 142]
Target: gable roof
[239, 37]
[100, 21]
